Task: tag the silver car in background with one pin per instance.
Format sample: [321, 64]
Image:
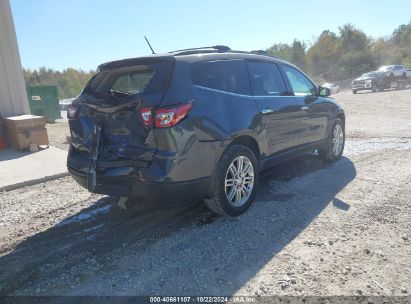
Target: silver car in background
[65, 103]
[394, 71]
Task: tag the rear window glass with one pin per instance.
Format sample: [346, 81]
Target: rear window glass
[134, 82]
[224, 75]
[127, 82]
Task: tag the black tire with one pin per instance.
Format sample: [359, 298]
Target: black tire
[219, 202]
[326, 152]
[374, 88]
[354, 91]
[404, 75]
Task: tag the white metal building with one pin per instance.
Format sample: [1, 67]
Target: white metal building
[13, 95]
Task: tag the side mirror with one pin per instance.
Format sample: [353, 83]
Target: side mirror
[324, 92]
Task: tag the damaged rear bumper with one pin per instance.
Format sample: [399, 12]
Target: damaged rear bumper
[121, 182]
[131, 181]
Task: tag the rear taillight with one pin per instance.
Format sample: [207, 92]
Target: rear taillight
[171, 116]
[72, 111]
[166, 117]
[147, 116]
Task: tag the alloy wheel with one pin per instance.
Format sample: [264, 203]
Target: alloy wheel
[337, 139]
[239, 181]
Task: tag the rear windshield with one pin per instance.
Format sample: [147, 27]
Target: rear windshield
[131, 81]
[224, 75]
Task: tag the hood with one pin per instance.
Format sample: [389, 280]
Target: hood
[364, 78]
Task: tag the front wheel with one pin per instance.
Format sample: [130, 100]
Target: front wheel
[235, 181]
[334, 146]
[354, 91]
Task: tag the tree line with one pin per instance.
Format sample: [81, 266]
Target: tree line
[330, 57]
[348, 53]
[69, 82]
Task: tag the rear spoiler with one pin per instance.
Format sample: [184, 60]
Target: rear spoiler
[132, 61]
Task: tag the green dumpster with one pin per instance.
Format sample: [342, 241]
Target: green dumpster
[43, 101]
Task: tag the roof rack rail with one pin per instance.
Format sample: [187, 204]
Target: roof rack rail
[260, 52]
[220, 48]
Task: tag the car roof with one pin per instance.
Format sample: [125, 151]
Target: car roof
[195, 55]
[226, 56]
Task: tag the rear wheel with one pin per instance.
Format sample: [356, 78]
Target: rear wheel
[334, 146]
[374, 88]
[235, 181]
[354, 91]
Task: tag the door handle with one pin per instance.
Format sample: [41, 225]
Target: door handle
[267, 110]
[305, 108]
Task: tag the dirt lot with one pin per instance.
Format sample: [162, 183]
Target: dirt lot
[58, 133]
[315, 229]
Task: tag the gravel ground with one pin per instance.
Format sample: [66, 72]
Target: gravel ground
[58, 133]
[315, 228]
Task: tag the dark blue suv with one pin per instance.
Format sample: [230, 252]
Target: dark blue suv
[197, 123]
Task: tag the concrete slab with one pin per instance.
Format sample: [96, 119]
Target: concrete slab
[18, 169]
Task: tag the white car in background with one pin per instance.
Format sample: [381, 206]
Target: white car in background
[393, 70]
[334, 88]
[65, 103]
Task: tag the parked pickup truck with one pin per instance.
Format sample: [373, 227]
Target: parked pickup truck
[373, 81]
[379, 81]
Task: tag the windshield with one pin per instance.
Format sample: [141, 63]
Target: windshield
[373, 74]
[130, 82]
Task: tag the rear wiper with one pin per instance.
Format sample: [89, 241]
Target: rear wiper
[114, 92]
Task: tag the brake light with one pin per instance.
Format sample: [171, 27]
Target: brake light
[170, 117]
[72, 111]
[147, 116]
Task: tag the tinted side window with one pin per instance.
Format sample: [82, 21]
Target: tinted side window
[266, 79]
[224, 75]
[300, 84]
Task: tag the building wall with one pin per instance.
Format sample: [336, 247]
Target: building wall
[13, 96]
